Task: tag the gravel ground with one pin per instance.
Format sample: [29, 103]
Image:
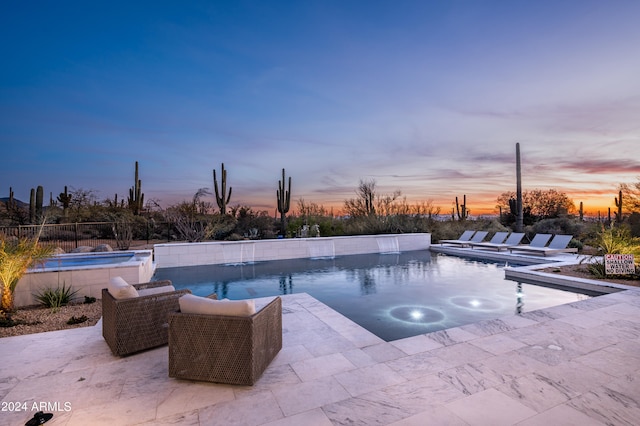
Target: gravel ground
[37, 319]
[580, 271]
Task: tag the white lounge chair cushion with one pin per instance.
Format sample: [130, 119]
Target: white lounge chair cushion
[120, 289]
[191, 304]
[156, 290]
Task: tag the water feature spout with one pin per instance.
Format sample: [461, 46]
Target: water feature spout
[320, 248]
[239, 253]
[388, 245]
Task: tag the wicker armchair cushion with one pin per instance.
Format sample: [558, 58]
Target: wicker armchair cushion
[156, 290]
[191, 304]
[120, 289]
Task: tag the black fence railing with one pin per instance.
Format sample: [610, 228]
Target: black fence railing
[69, 236]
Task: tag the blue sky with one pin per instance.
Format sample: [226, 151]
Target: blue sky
[428, 97]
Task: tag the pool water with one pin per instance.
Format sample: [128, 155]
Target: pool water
[85, 260]
[392, 295]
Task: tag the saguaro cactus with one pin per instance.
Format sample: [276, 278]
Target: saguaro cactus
[581, 211]
[519, 215]
[39, 200]
[136, 197]
[32, 206]
[222, 198]
[513, 207]
[284, 201]
[618, 201]
[462, 213]
[65, 199]
[11, 204]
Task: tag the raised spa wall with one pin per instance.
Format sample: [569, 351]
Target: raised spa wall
[88, 280]
[218, 252]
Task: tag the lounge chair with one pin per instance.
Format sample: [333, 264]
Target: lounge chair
[477, 238]
[538, 241]
[512, 240]
[224, 348]
[558, 244]
[498, 238]
[465, 237]
[137, 322]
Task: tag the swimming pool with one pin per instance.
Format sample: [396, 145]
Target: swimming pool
[391, 295]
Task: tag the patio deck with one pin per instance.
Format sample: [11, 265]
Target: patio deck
[571, 364]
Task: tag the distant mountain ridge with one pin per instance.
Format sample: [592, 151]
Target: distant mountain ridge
[5, 200]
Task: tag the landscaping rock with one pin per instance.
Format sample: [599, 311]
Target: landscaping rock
[82, 249]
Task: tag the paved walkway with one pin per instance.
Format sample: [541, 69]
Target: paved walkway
[574, 364]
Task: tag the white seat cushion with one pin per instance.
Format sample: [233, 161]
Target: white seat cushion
[190, 304]
[156, 290]
[120, 289]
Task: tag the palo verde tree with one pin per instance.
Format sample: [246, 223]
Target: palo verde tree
[630, 196]
[364, 203]
[540, 203]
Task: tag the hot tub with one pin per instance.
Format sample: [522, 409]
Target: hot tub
[88, 273]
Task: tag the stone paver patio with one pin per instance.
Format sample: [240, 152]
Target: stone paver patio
[571, 364]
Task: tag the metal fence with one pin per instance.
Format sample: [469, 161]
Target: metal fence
[69, 236]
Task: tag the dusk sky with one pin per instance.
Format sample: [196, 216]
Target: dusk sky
[425, 97]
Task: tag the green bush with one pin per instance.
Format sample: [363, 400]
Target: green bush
[55, 298]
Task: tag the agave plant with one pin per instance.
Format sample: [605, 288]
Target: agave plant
[16, 257]
[55, 298]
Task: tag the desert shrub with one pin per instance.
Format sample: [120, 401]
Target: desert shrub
[596, 268]
[252, 224]
[560, 225]
[575, 243]
[618, 240]
[634, 224]
[77, 320]
[452, 229]
[55, 298]
[6, 320]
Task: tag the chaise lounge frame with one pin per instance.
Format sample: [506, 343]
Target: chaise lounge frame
[558, 244]
[513, 239]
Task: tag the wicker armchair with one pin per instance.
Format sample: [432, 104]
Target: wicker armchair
[138, 323]
[224, 349]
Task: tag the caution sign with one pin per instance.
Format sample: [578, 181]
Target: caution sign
[619, 264]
